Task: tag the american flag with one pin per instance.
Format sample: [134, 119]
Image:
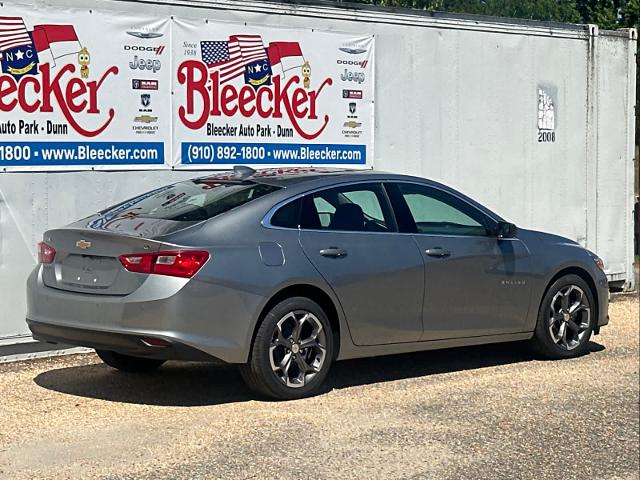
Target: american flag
[230, 57]
[13, 33]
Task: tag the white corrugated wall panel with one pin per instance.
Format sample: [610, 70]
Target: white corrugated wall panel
[455, 101]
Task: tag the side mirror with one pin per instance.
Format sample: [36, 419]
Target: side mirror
[505, 230]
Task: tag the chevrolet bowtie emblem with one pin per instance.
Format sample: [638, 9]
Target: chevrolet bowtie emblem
[83, 244]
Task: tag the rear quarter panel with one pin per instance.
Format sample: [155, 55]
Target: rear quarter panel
[233, 288]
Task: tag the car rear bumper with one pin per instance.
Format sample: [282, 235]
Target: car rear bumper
[130, 344]
[193, 316]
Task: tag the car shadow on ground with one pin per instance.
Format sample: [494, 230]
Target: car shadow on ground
[199, 384]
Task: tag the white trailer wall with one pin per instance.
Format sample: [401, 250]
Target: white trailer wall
[613, 88]
[456, 100]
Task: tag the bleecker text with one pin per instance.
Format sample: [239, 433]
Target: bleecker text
[283, 98]
[43, 93]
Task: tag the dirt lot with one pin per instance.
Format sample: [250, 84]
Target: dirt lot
[484, 412]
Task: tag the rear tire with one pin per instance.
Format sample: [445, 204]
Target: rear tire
[128, 363]
[566, 319]
[292, 351]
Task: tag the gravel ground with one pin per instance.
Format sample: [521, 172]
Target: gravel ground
[478, 413]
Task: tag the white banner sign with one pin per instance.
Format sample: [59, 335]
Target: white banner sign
[270, 96]
[86, 89]
[82, 89]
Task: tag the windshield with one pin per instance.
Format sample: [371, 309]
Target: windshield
[192, 201]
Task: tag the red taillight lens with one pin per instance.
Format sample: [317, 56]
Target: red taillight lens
[140, 263]
[181, 264]
[46, 253]
[175, 264]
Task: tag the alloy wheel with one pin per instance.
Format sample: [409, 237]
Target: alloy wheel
[569, 317]
[298, 348]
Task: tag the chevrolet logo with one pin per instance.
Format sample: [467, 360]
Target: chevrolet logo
[83, 244]
[145, 119]
[352, 124]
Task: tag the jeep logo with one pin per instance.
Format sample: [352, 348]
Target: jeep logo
[348, 76]
[142, 64]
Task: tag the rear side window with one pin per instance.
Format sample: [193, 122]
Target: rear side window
[193, 200]
[356, 208]
[287, 216]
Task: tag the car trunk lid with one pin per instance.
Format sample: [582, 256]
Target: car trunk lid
[87, 261]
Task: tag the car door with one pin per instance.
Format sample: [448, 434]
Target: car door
[475, 283]
[349, 235]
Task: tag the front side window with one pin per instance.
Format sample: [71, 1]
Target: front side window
[356, 208]
[431, 211]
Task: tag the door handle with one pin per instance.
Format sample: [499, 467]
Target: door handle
[333, 252]
[437, 252]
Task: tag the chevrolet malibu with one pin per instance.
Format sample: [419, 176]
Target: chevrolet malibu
[285, 271]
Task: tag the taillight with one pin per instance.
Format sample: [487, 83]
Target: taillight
[46, 253]
[140, 263]
[175, 264]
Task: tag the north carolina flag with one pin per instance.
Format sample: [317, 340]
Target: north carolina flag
[60, 40]
[287, 54]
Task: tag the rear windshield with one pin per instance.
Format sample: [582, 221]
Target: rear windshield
[193, 200]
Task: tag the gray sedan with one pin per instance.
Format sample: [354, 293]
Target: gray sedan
[285, 271]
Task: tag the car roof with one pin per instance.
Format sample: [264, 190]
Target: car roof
[286, 175]
[290, 176]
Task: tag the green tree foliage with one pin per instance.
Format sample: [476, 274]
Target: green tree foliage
[604, 13]
[630, 13]
[550, 10]
[608, 14]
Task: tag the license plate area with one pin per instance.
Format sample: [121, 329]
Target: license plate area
[89, 271]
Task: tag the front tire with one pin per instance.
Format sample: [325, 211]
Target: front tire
[566, 319]
[292, 351]
[128, 363]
